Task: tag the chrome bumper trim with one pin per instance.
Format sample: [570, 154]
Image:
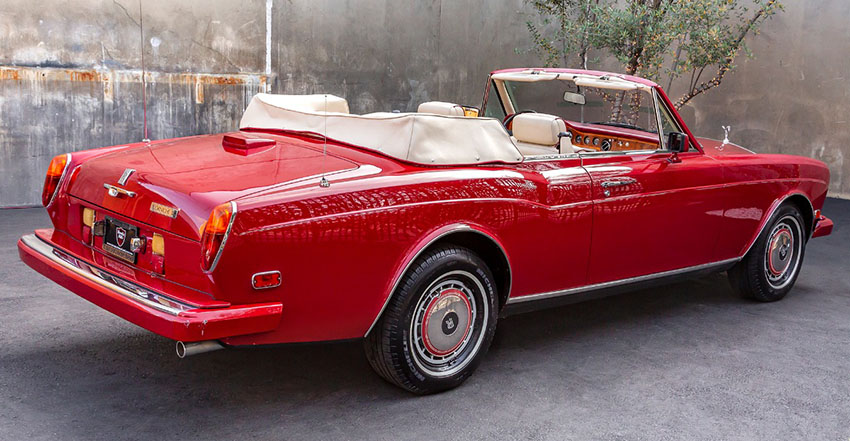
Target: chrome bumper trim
[113, 283]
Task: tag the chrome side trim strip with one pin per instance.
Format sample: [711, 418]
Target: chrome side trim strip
[113, 283]
[458, 228]
[614, 283]
[224, 239]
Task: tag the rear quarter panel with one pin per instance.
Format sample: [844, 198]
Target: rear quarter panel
[341, 249]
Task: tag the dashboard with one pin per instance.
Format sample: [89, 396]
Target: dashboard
[609, 140]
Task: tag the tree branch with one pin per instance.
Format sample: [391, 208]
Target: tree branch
[727, 63]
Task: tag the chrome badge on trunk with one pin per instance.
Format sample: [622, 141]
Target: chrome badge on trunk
[164, 210]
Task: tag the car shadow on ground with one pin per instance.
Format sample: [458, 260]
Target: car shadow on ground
[118, 377]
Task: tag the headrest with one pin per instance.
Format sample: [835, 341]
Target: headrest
[538, 128]
[308, 103]
[440, 108]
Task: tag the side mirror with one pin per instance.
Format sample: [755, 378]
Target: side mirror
[677, 142]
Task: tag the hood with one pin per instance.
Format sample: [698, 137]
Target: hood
[194, 175]
[713, 147]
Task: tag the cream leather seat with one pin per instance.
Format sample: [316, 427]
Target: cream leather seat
[537, 134]
[440, 108]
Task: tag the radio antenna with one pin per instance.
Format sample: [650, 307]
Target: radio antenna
[144, 81]
[324, 182]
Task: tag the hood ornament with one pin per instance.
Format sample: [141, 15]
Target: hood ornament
[726, 130]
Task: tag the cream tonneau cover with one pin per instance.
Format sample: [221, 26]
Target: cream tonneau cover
[416, 137]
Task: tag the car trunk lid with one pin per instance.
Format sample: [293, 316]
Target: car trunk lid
[177, 183]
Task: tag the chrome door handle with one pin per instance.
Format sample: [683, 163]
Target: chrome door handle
[618, 182]
[606, 185]
[115, 191]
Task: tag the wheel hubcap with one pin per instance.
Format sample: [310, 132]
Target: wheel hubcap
[445, 329]
[782, 254]
[446, 322]
[779, 251]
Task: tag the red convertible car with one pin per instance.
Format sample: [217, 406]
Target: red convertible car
[416, 231]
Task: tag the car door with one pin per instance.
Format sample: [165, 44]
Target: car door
[652, 214]
[556, 240]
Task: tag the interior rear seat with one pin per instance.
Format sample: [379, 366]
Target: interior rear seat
[440, 108]
[537, 134]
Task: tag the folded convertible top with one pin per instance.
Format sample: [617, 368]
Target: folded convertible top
[421, 138]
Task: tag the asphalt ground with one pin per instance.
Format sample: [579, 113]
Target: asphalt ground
[687, 361]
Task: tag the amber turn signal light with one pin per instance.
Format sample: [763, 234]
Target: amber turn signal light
[158, 244]
[54, 175]
[215, 233]
[88, 217]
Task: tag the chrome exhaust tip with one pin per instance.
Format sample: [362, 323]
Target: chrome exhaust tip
[186, 349]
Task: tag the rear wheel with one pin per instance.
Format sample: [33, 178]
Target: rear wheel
[772, 265]
[438, 324]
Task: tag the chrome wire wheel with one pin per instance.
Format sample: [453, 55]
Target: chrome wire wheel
[782, 252]
[448, 323]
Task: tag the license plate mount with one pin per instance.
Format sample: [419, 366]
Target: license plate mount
[118, 238]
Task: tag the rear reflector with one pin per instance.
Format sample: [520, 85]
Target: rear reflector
[269, 279]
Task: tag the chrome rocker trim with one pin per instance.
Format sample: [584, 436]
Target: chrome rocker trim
[115, 284]
[621, 282]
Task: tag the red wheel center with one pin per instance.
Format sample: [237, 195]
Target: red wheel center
[448, 319]
[779, 251]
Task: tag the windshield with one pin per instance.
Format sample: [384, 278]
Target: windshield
[633, 109]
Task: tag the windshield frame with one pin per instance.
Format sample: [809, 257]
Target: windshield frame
[496, 82]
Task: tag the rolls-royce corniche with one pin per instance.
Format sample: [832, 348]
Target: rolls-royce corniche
[415, 232]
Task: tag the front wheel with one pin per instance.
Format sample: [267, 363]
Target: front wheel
[438, 324]
[772, 265]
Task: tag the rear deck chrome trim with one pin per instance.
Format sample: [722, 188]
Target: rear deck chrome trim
[614, 283]
[113, 283]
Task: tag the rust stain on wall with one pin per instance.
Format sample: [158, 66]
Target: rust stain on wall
[27, 73]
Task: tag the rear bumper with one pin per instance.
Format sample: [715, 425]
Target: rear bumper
[154, 311]
[823, 226]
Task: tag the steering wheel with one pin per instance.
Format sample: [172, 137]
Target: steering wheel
[508, 119]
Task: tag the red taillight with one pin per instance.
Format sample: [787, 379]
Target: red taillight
[215, 234]
[54, 175]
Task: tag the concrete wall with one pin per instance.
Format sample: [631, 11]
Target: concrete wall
[70, 71]
[794, 96]
[70, 77]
